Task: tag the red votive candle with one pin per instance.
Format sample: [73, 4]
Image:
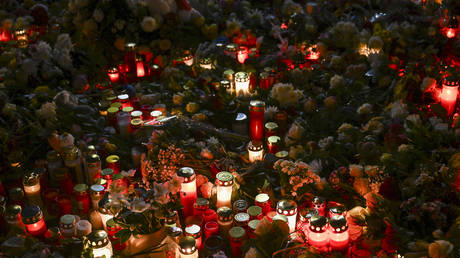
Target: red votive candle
[64, 204]
[146, 110]
[195, 232]
[82, 197]
[32, 217]
[200, 206]
[64, 180]
[113, 74]
[112, 229]
[256, 120]
[130, 57]
[274, 143]
[50, 196]
[270, 215]
[113, 162]
[237, 237]
[209, 215]
[263, 201]
[211, 228]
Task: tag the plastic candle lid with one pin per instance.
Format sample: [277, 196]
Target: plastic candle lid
[116, 105]
[254, 211]
[98, 239]
[225, 213]
[107, 172]
[97, 188]
[242, 217]
[128, 109]
[263, 197]
[280, 218]
[193, 229]
[286, 205]
[237, 232]
[187, 242]
[67, 219]
[79, 188]
[224, 178]
[186, 172]
[31, 214]
[253, 224]
[112, 159]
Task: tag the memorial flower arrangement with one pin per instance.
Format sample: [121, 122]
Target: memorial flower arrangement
[357, 91]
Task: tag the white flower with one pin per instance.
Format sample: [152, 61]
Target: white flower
[325, 142]
[65, 98]
[296, 131]
[40, 51]
[364, 109]
[98, 15]
[47, 111]
[270, 112]
[414, 119]
[316, 166]
[286, 95]
[212, 141]
[336, 82]
[399, 110]
[149, 24]
[63, 42]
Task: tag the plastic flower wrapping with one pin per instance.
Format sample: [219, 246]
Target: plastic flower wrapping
[189, 128]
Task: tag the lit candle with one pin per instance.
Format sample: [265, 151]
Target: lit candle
[271, 129]
[188, 58]
[100, 244]
[113, 162]
[21, 37]
[227, 85]
[288, 208]
[229, 75]
[304, 222]
[32, 189]
[237, 237]
[451, 29]
[206, 63]
[319, 204]
[32, 217]
[187, 248]
[113, 74]
[313, 53]
[224, 182]
[449, 95]
[242, 83]
[83, 199]
[230, 50]
[104, 211]
[273, 143]
[195, 232]
[225, 220]
[242, 54]
[188, 193]
[338, 234]
[256, 120]
[130, 57]
[255, 151]
[263, 200]
[64, 203]
[140, 70]
[337, 211]
[4, 35]
[264, 82]
[67, 225]
[317, 233]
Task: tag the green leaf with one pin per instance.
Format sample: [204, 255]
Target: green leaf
[123, 234]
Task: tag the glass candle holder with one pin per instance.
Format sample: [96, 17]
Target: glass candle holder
[213, 245]
[264, 82]
[255, 151]
[337, 211]
[252, 226]
[82, 198]
[32, 217]
[242, 84]
[338, 234]
[136, 124]
[100, 244]
[113, 162]
[304, 219]
[97, 192]
[227, 85]
[319, 204]
[229, 75]
[224, 182]
[255, 212]
[64, 203]
[195, 232]
[242, 54]
[288, 208]
[112, 229]
[188, 194]
[274, 144]
[241, 220]
[449, 95]
[237, 238]
[16, 195]
[281, 120]
[206, 63]
[123, 123]
[113, 74]
[67, 225]
[53, 162]
[240, 206]
[72, 160]
[140, 69]
[211, 228]
[225, 220]
[240, 124]
[271, 129]
[188, 58]
[83, 228]
[13, 217]
[107, 174]
[263, 200]
[256, 120]
[200, 206]
[21, 37]
[171, 219]
[317, 233]
[130, 57]
[93, 168]
[32, 188]
[187, 247]
[231, 49]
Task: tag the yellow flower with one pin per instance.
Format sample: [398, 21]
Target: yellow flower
[192, 107]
